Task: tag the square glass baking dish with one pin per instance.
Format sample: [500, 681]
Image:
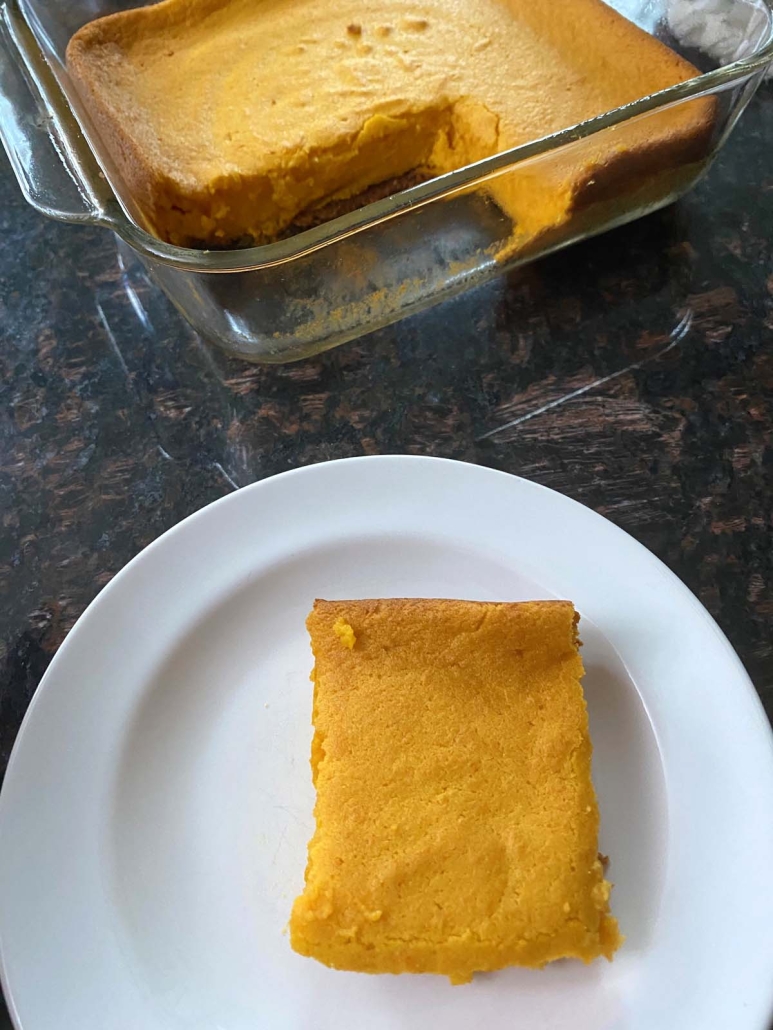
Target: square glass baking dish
[368, 268]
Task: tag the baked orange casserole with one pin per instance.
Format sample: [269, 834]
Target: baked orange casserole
[230, 119]
[456, 821]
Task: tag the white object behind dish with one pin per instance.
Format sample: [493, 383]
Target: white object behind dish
[724, 29]
[158, 804]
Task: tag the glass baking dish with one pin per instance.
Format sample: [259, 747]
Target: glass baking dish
[368, 268]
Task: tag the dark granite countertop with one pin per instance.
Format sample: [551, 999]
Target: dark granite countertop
[117, 422]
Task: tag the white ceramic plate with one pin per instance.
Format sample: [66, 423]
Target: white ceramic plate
[156, 810]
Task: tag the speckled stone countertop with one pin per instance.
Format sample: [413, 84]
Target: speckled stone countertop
[116, 421]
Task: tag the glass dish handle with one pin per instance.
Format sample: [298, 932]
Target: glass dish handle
[53, 163]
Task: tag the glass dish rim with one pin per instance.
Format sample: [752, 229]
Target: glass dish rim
[379, 211]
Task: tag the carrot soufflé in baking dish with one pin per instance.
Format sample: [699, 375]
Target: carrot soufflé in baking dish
[456, 821]
[230, 121]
